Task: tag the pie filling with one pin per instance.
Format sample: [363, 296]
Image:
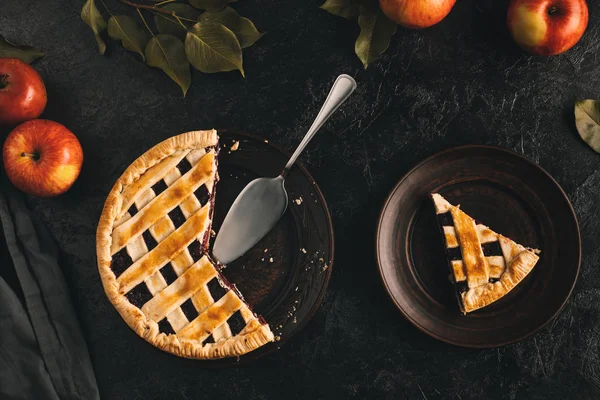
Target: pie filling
[226, 283]
[214, 308]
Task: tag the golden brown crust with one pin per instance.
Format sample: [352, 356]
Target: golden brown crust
[515, 272]
[184, 287]
[165, 251]
[214, 315]
[163, 203]
[252, 337]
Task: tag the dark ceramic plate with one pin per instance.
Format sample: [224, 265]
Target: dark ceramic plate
[285, 275]
[511, 195]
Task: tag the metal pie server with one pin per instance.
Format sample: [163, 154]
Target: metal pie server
[263, 201]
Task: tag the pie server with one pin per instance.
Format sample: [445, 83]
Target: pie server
[263, 201]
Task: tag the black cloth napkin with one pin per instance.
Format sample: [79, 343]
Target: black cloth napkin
[42, 351]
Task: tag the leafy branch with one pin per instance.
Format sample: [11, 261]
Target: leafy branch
[157, 9]
[207, 34]
[376, 30]
[27, 54]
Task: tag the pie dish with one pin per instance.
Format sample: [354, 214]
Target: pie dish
[484, 265]
[152, 246]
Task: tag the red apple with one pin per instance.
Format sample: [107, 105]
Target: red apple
[42, 157]
[416, 13]
[547, 27]
[22, 92]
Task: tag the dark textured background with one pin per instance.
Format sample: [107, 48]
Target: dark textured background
[460, 82]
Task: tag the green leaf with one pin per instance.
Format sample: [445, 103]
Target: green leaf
[212, 47]
[349, 9]
[243, 28]
[210, 5]
[376, 30]
[587, 120]
[125, 29]
[27, 54]
[168, 53]
[168, 24]
[91, 16]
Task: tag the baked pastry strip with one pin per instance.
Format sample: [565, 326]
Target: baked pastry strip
[470, 247]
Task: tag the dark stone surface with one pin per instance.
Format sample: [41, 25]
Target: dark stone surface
[460, 82]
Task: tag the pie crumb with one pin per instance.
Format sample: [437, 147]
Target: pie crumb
[278, 338]
[325, 267]
[303, 250]
[295, 321]
[266, 141]
[299, 200]
[271, 259]
[266, 250]
[235, 146]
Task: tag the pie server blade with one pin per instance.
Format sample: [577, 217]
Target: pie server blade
[263, 201]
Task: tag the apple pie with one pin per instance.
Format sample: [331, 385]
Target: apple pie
[484, 265]
[152, 246]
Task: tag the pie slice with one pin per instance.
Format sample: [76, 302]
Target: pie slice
[484, 265]
[152, 243]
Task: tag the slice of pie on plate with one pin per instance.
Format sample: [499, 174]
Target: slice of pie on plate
[152, 243]
[484, 265]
